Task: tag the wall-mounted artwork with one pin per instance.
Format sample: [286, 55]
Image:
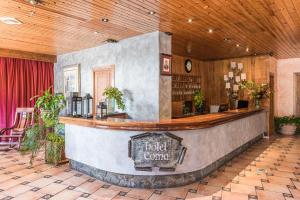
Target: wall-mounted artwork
[166, 65]
[71, 79]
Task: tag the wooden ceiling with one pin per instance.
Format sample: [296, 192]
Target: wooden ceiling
[60, 26]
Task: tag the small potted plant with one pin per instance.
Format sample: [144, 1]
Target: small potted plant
[41, 134]
[199, 101]
[257, 92]
[287, 125]
[114, 95]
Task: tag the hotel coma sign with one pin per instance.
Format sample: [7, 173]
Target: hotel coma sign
[162, 150]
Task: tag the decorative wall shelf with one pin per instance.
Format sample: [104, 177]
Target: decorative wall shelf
[184, 87]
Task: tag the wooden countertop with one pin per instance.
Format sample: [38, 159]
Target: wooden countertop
[187, 123]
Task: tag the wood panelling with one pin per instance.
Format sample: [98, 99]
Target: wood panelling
[59, 26]
[257, 68]
[27, 55]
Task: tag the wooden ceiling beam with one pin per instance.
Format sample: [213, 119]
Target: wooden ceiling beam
[9, 53]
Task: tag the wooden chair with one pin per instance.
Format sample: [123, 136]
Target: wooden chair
[12, 137]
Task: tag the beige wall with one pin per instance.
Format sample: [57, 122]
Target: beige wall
[286, 68]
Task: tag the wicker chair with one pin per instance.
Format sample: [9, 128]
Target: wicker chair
[12, 137]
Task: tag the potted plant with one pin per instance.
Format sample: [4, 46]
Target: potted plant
[287, 125]
[48, 107]
[114, 95]
[257, 92]
[199, 101]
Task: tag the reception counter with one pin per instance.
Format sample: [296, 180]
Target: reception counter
[162, 153]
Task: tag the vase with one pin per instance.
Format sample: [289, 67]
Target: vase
[257, 103]
[110, 106]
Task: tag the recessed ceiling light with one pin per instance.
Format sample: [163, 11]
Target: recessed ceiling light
[169, 33]
[210, 30]
[151, 12]
[105, 20]
[237, 45]
[96, 32]
[10, 20]
[190, 20]
[247, 49]
[33, 2]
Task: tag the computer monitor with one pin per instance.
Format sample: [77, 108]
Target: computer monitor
[243, 104]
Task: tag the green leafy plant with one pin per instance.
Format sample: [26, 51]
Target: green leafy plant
[257, 91]
[48, 107]
[33, 141]
[54, 147]
[281, 121]
[198, 99]
[114, 93]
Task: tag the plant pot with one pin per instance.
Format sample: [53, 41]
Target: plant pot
[288, 129]
[54, 154]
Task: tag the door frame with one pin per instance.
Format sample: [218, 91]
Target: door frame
[97, 69]
[296, 74]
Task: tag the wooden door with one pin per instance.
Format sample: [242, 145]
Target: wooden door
[103, 78]
[297, 95]
[271, 111]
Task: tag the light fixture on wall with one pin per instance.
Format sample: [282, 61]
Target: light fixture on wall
[210, 30]
[237, 45]
[190, 20]
[247, 49]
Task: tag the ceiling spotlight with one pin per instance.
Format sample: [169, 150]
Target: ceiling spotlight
[33, 2]
[105, 20]
[237, 45]
[151, 12]
[210, 30]
[190, 20]
[96, 32]
[247, 49]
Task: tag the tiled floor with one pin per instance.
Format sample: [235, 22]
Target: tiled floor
[267, 170]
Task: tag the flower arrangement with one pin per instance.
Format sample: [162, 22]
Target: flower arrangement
[257, 91]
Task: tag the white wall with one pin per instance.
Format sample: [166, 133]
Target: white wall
[286, 68]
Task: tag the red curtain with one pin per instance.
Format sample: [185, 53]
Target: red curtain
[20, 80]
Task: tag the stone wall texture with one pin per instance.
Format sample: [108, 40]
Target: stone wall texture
[137, 72]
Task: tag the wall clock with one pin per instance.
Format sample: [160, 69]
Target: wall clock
[188, 65]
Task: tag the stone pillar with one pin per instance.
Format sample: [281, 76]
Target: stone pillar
[165, 82]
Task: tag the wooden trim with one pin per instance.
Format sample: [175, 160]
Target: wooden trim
[9, 53]
[188, 123]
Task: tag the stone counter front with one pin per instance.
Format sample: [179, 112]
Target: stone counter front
[177, 158]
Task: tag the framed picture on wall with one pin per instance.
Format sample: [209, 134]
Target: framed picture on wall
[165, 64]
[71, 75]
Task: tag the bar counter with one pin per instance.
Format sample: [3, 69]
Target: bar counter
[186, 123]
[160, 154]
